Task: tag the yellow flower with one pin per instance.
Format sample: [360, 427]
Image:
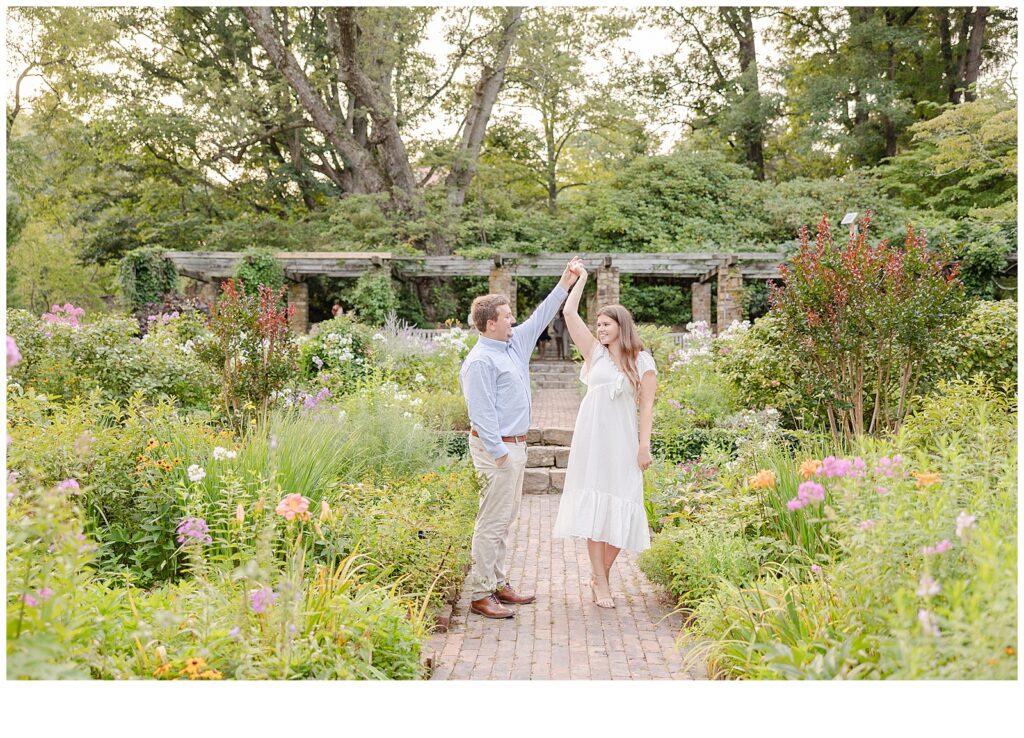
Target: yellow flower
[152, 444]
[162, 669]
[325, 510]
[809, 468]
[193, 666]
[926, 479]
[259, 505]
[208, 674]
[764, 479]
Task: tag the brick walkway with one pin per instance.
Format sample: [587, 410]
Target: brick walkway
[563, 635]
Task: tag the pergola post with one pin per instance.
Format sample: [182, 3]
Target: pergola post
[503, 282]
[730, 289]
[298, 297]
[606, 292]
[700, 302]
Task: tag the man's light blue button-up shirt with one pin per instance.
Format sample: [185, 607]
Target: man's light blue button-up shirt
[495, 378]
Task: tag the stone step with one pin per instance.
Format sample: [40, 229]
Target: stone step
[546, 456]
[549, 437]
[543, 481]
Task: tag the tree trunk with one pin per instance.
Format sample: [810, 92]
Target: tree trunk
[551, 165]
[485, 92]
[741, 22]
[367, 177]
[973, 62]
[341, 30]
[946, 53]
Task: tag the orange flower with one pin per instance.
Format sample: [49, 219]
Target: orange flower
[926, 479]
[809, 468]
[208, 674]
[764, 479]
[1010, 651]
[162, 669]
[193, 666]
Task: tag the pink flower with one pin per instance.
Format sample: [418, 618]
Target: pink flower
[927, 624]
[882, 490]
[45, 593]
[29, 600]
[815, 568]
[833, 467]
[884, 467]
[795, 504]
[810, 491]
[940, 547]
[675, 404]
[866, 524]
[964, 522]
[292, 506]
[927, 586]
[262, 598]
[69, 484]
[13, 355]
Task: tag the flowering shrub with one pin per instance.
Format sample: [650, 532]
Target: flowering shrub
[68, 361]
[863, 321]
[337, 353]
[252, 347]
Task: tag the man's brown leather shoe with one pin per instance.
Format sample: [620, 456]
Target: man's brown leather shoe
[509, 596]
[489, 607]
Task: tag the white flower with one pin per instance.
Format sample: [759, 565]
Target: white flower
[407, 414]
[927, 625]
[417, 402]
[341, 415]
[196, 473]
[232, 454]
[378, 336]
[964, 522]
[927, 586]
[417, 426]
[419, 378]
[220, 453]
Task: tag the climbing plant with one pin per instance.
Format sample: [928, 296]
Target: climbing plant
[146, 275]
[259, 267]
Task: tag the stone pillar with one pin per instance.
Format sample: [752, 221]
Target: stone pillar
[730, 288]
[503, 282]
[700, 300]
[606, 292]
[298, 296]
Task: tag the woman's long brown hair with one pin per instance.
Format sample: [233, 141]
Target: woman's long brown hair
[631, 343]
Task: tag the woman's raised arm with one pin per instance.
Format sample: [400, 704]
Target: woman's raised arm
[578, 330]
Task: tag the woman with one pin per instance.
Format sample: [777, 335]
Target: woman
[603, 497]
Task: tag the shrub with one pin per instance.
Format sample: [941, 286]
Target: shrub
[338, 352]
[259, 267]
[863, 322]
[691, 559]
[146, 276]
[374, 297]
[252, 347]
[984, 342]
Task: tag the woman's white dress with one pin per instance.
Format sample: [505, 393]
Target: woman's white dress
[603, 498]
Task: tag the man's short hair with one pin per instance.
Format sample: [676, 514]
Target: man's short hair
[485, 308]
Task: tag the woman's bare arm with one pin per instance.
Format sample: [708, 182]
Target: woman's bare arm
[648, 386]
[578, 330]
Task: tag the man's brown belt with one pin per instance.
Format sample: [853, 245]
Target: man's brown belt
[509, 439]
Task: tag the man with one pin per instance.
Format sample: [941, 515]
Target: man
[495, 380]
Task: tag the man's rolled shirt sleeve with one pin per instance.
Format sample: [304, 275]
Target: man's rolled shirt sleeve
[480, 389]
[526, 334]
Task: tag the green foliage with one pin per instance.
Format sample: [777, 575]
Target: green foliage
[66, 361]
[691, 560]
[664, 304]
[259, 267]
[146, 275]
[985, 342]
[337, 352]
[374, 298]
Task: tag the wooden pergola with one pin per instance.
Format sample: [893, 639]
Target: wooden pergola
[694, 270]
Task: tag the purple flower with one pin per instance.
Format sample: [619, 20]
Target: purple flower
[69, 484]
[45, 593]
[319, 362]
[234, 632]
[29, 600]
[262, 598]
[884, 466]
[810, 491]
[13, 355]
[66, 315]
[833, 467]
[815, 568]
[193, 530]
[882, 490]
[675, 404]
[866, 524]
[795, 504]
[940, 547]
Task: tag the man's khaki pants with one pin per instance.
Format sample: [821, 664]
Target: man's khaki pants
[500, 496]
